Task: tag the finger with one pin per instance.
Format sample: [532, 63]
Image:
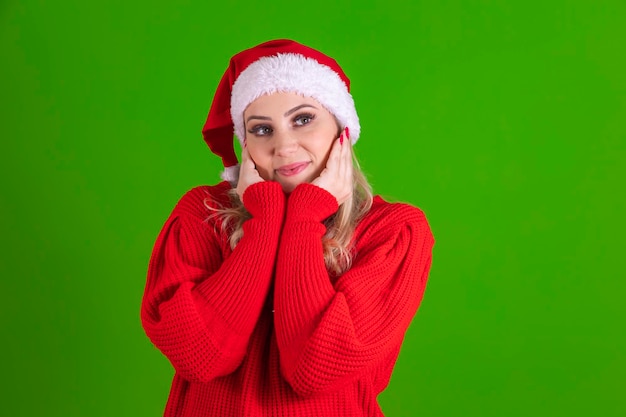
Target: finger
[341, 156]
[244, 156]
[347, 169]
[247, 162]
[345, 156]
[348, 159]
[335, 154]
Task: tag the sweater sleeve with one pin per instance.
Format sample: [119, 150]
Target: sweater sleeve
[332, 333]
[198, 308]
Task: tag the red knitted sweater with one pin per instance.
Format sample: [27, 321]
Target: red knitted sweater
[264, 330]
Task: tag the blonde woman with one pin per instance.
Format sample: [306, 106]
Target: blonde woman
[286, 289]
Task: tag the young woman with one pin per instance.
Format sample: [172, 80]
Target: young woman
[286, 289]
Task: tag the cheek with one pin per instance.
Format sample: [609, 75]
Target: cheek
[262, 161]
[324, 147]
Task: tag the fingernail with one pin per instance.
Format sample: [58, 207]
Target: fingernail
[341, 139]
[347, 132]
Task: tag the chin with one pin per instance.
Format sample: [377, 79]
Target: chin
[289, 187]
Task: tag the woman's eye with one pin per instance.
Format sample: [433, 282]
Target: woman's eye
[260, 130]
[303, 119]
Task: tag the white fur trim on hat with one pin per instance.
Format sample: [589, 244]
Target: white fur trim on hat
[231, 174]
[298, 74]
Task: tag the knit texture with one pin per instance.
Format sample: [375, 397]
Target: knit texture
[264, 330]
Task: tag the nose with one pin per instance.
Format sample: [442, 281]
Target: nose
[285, 143]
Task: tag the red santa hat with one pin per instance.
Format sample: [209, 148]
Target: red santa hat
[279, 65]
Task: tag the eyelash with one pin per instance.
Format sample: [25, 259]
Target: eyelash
[301, 116]
[257, 129]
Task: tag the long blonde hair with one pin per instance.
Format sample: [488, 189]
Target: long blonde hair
[337, 241]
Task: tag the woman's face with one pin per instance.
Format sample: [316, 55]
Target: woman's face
[289, 137]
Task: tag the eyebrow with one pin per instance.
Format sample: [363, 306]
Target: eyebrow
[258, 117]
[287, 113]
[295, 109]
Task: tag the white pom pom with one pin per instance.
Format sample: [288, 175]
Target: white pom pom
[231, 174]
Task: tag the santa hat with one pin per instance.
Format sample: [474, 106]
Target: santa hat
[279, 65]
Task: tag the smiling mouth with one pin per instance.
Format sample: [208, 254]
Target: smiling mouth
[292, 169]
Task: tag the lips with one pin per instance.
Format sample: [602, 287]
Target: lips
[292, 169]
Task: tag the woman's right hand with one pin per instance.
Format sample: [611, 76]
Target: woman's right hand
[248, 174]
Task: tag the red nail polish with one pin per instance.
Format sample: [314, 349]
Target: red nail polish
[347, 132]
[341, 139]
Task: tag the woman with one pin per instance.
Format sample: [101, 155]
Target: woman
[285, 290]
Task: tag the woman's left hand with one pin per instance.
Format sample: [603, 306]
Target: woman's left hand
[337, 177]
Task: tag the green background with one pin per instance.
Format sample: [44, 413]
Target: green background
[505, 121]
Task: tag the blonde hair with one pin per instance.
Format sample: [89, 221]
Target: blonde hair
[337, 241]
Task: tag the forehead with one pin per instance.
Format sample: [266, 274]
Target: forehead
[280, 101]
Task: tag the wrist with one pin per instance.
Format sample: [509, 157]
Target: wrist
[264, 199]
[309, 201]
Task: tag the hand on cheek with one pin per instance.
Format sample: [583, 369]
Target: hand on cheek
[337, 177]
[248, 174]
